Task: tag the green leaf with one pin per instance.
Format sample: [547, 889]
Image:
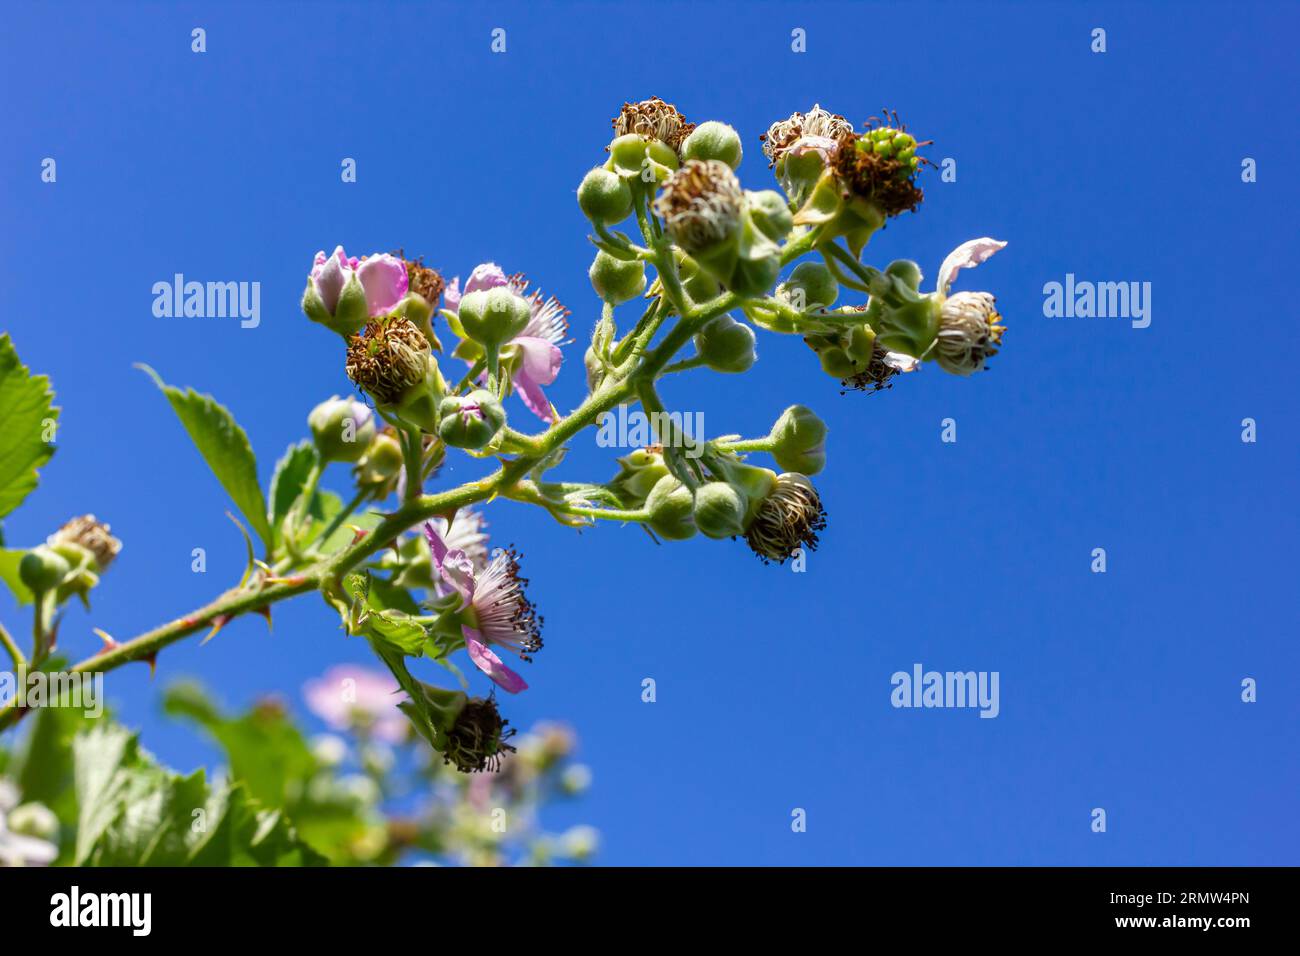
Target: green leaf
[132, 812]
[26, 400]
[9, 574]
[225, 448]
[291, 473]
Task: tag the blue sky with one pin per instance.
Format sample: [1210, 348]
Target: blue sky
[1118, 690]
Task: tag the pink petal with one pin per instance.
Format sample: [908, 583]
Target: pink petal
[455, 566]
[451, 295]
[487, 661]
[384, 279]
[966, 256]
[541, 360]
[533, 397]
[487, 275]
[330, 275]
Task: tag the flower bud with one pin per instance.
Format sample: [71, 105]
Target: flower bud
[713, 140]
[341, 429]
[86, 536]
[381, 463]
[604, 197]
[788, 518]
[43, 569]
[638, 473]
[344, 293]
[969, 333]
[726, 345]
[671, 508]
[470, 421]
[771, 213]
[799, 440]
[616, 281]
[757, 263]
[33, 820]
[811, 286]
[493, 317]
[719, 510]
[907, 271]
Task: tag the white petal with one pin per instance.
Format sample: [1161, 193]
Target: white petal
[966, 256]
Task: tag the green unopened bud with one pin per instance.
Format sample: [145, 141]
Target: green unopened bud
[907, 271]
[799, 440]
[33, 820]
[811, 286]
[43, 569]
[381, 463]
[341, 429]
[351, 312]
[719, 510]
[470, 421]
[493, 317]
[726, 345]
[616, 281]
[714, 140]
[758, 262]
[671, 507]
[604, 197]
[771, 213]
[638, 473]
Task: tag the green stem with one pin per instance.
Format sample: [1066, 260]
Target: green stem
[342, 516]
[413, 457]
[10, 645]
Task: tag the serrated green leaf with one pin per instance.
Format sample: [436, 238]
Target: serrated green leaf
[225, 447]
[26, 401]
[291, 473]
[9, 561]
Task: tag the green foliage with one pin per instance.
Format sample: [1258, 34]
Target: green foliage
[288, 482]
[27, 403]
[225, 448]
[9, 561]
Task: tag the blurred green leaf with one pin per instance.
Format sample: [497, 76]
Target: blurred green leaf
[225, 448]
[26, 400]
[9, 574]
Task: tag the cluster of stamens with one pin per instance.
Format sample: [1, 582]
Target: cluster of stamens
[387, 357]
[782, 135]
[788, 518]
[84, 531]
[701, 204]
[477, 740]
[655, 118]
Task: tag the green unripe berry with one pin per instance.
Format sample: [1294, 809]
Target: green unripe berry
[341, 429]
[604, 197]
[616, 281]
[381, 462]
[494, 316]
[770, 213]
[43, 569]
[818, 283]
[470, 421]
[799, 441]
[714, 140]
[726, 345]
[719, 510]
[671, 507]
[907, 271]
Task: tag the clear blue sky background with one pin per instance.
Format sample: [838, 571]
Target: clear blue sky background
[1119, 690]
